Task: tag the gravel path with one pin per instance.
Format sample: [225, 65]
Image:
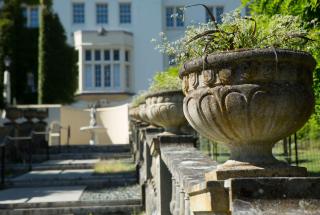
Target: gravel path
[111, 193]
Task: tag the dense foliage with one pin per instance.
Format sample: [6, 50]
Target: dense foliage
[237, 32]
[166, 80]
[57, 72]
[21, 49]
[309, 12]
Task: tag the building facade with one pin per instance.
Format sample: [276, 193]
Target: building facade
[112, 37]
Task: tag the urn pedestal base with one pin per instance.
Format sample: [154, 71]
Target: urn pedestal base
[249, 171]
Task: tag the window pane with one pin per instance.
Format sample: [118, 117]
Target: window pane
[169, 17]
[88, 75]
[88, 56]
[102, 13]
[78, 13]
[116, 55]
[180, 21]
[219, 12]
[34, 17]
[25, 15]
[107, 55]
[128, 76]
[208, 18]
[116, 75]
[107, 76]
[127, 56]
[97, 55]
[97, 70]
[125, 13]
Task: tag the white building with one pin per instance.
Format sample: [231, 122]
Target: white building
[116, 57]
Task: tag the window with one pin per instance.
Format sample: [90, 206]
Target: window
[34, 17]
[97, 55]
[116, 55]
[88, 56]
[169, 16]
[125, 13]
[116, 75]
[88, 75]
[127, 76]
[217, 12]
[97, 72]
[107, 75]
[78, 13]
[31, 16]
[127, 56]
[106, 69]
[247, 11]
[174, 17]
[102, 13]
[107, 55]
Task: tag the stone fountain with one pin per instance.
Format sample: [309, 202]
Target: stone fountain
[93, 128]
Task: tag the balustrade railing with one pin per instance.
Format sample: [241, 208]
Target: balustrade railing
[174, 180]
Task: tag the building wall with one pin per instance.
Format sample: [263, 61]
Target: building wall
[148, 19]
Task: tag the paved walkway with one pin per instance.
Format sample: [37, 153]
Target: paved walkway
[70, 186]
[41, 194]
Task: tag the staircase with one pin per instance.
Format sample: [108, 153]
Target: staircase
[68, 184]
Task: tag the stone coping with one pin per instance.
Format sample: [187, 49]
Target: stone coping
[187, 164]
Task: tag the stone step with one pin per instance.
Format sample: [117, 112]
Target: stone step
[67, 178]
[78, 210]
[80, 156]
[114, 148]
[70, 200]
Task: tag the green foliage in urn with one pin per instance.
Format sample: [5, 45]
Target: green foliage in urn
[139, 99]
[166, 81]
[237, 32]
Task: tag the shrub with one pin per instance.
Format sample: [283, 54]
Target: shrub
[166, 80]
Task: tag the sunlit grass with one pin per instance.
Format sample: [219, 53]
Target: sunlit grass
[113, 166]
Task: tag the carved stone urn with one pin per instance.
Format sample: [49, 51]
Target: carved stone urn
[134, 114]
[165, 109]
[143, 113]
[249, 100]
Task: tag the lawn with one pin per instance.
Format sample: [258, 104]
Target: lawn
[114, 166]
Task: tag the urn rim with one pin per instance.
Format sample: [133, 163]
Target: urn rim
[165, 93]
[267, 54]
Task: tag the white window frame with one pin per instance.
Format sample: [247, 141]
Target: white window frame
[213, 9]
[73, 13]
[175, 18]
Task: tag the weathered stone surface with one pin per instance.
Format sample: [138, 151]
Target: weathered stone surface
[249, 100]
[274, 195]
[165, 109]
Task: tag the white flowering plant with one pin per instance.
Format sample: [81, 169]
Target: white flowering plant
[238, 32]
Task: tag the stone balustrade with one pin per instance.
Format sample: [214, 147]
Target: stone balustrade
[173, 181]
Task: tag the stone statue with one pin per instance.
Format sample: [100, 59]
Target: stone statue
[93, 119]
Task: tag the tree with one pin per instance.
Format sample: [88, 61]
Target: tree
[57, 72]
[11, 27]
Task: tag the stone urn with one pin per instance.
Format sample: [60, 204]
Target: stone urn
[29, 113]
[41, 114]
[249, 100]
[143, 113]
[134, 114]
[13, 113]
[165, 109]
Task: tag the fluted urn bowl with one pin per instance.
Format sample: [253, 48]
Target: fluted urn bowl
[134, 113]
[165, 109]
[249, 99]
[143, 114]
